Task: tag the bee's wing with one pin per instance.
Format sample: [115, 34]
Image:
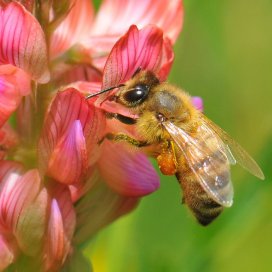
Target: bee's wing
[235, 150]
[205, 161]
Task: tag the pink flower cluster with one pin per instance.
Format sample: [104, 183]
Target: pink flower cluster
[58, 186]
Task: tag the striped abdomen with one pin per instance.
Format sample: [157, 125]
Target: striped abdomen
[204, 208]
[204, 175]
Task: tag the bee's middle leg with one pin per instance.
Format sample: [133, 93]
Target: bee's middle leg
[120, 137]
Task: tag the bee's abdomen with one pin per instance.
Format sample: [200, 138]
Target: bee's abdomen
[203, 207]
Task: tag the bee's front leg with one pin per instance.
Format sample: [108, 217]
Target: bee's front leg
[122, 118]
[120, 137]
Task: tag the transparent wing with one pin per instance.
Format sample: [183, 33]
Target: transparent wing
[206, 156]
[235, 150]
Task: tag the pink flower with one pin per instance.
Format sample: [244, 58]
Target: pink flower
[58, 186]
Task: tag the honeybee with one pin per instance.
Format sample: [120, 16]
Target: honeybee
[192, 147]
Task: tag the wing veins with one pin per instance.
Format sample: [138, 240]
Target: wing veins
[235, 150]
[193, 153]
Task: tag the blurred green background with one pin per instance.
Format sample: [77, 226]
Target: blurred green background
[224, 55]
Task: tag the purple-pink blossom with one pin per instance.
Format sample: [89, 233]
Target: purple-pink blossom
[58, 186]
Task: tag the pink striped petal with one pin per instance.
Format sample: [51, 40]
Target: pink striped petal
[6, 169]
[198, 103]
[17, 77]
[74, 28]
[6, 254]
[55, 250]
[90, 88]
[79, 189]
[23, 82]
[28, 4]
[167, 59]
[101, 44]
[68, 162]
[9, 99]
[66, 74]
[96, 210]
[137, 48]
[63, 196]
[87, 87]
[5, 199]
[14, 83]
[111, 106]
[168, 15]
[67, 107]
[126, 171]
[16, 194]
[22, 42]
[8, 139]
[99, 48]
[31, 225]
[61, 227]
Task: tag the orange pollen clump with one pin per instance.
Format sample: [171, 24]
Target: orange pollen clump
[167, 163]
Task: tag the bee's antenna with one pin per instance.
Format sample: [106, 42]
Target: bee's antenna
[104, 91]
[138, 70]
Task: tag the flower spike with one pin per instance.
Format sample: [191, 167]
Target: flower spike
[22, 42]
[60, 66]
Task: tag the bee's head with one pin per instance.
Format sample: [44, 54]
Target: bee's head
[165, 103]
[170, 104]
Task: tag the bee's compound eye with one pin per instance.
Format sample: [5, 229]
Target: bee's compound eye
[137, 94]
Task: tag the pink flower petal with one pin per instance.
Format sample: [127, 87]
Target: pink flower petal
[61, 227]
[67, 107]
[16, 194]
[55, 250]
[79, 189]
[68, 162]
[101, 44]
[99, 48]
[127, 171]
[14, 83]
[137, 48]
[74, 28]
[111, 106]
[98, 208]
[16, 76]
[22, 42]
[31, 225]
[167, 59]
[168, 15]
[63, 196]
[198, 103]
[9, 99]
[6, 254]
[28, 4]
[66, 74]
[7, 168]
[5, 198]
[87, 87]
[8, 139]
